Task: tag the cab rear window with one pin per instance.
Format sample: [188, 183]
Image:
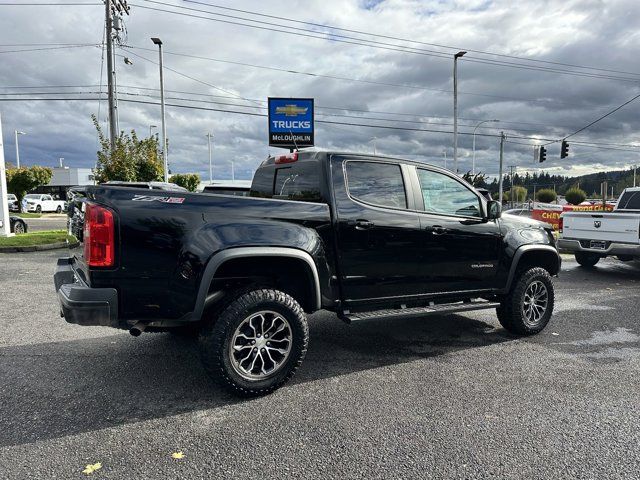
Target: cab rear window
[629, 201]
[289, 182]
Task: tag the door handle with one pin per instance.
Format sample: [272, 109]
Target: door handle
[437, 230]
[361, 224]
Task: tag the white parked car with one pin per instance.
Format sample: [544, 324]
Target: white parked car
[591, 236]
[40, 202]
[12, 200]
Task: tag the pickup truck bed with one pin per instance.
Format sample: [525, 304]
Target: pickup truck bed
[594, 235]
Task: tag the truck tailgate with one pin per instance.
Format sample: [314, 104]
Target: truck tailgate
[614, 227]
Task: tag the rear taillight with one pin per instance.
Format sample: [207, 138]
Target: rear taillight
[560, 224]
[290, 158]
[99, 243]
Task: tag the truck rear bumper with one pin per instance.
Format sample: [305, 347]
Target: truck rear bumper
[613, 248]
[81, 304]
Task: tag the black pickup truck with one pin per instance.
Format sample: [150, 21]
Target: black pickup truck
[367, 237]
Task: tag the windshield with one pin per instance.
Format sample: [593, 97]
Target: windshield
[32, 197]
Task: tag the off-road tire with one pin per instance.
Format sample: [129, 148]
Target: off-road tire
[587, 260]
[216, 337]
[511, 313]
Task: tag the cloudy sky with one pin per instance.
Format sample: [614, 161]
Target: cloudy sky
[544, 69]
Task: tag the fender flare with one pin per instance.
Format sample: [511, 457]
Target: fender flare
[245, 252]
[518, 255]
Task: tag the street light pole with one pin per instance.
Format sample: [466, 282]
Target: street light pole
[502, 138]
[473, 162]
[18, 132]
[158, 42]
[373, 139]
[455, 110]
[209, 135]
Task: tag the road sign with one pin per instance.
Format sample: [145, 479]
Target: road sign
[291, 122]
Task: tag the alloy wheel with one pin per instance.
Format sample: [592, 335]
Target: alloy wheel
[535, 302]
[260, 345]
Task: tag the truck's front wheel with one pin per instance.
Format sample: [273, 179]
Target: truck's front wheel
[528, 307]
[257, 342]
[587, 260]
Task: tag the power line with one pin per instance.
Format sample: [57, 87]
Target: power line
[454, 48]
[44, 4]
[326, 122]
[362, 42]
[602, 117]
[343, 78]
[50, 48]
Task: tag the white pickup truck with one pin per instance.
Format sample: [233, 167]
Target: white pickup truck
[595, 235]
[36, 202]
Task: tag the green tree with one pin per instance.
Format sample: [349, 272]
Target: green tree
[133, 159]
[546, 195]
[24, 179]
[190, 181]
[517, 194]
[575, 196]
[477, 180]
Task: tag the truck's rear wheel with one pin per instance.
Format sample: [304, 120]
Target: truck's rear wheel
[257, 342]
[528, 307]
[587, 260]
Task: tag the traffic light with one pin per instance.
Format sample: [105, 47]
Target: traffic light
[543, 154]
[564, 149]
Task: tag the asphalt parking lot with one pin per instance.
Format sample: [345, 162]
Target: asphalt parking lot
[442, 397]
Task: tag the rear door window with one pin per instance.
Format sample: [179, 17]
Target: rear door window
[376, 183]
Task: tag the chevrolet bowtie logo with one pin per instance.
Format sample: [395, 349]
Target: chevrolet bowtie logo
[291, 110]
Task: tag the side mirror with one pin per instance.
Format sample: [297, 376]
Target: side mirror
[494, 210]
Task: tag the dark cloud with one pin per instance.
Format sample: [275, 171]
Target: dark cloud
[528, 102]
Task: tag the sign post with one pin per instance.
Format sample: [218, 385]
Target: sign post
[5, 225]
[291, 122]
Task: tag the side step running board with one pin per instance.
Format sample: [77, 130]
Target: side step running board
[442, 309]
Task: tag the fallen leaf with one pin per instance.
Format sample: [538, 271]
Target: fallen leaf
[177, 455]
[92, 468]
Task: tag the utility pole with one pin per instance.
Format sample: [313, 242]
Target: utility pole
[111, 77]
[233, 171]
[502, 139]
[635, 167]
[209, 135]
[444, 153]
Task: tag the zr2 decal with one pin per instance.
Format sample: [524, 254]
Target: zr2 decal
[152, 198]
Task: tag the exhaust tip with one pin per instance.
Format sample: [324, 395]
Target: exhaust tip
[137, 329]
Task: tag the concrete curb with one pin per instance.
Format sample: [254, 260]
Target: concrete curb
[38, 248]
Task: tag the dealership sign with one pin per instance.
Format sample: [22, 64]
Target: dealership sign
[291, 122]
